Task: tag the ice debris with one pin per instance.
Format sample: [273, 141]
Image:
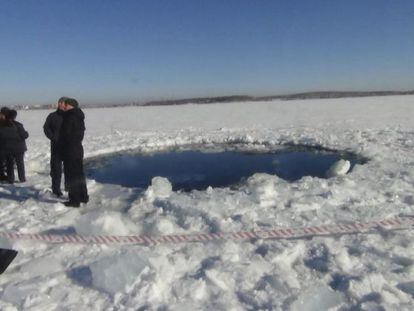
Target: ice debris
[160, 188]
[114, 273]
[263, 188]
[340, 167]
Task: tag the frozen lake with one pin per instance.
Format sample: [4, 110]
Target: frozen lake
[347, 272]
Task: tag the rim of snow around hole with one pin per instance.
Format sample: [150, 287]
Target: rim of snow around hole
[265, 148]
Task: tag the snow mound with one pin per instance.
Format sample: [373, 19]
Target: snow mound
[160, 188]
[340, 167]
[117, 273]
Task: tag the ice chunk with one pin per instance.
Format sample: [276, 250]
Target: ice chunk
[24, 292]
[318, 298]
[41, 267]
[221, 279]
[160, 188]
[340, 167]
[113, 274]
[165, 226]
[263, 188]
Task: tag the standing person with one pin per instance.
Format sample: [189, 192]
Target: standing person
[9, 139]
[19, 147]
[51, 128]
[70, 146]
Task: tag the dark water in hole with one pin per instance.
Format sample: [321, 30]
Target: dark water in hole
[187, 170]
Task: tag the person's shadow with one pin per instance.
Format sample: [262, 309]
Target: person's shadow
[22, 193]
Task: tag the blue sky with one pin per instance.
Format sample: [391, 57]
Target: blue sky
[124, 51]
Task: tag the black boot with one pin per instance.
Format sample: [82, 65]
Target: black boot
[71, 204]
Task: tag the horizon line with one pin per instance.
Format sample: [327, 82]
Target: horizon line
[231, 98]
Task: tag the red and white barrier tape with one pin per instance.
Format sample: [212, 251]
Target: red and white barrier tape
[276, 234]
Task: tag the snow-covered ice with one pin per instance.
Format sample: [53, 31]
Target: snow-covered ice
[361, 271]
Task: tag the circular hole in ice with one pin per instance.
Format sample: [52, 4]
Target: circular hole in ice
[197, 167]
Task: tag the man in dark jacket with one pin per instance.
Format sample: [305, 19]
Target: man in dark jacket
[51, 129]
[19, 147]
[9, 141]
[70, 146]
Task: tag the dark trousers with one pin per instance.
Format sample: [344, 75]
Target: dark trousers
[3, 167]
[56, 164]
[10, 159]
[19, 159]
[10, 168]
[75, 179]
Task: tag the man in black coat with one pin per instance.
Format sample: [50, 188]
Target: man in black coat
[9, 142]
[19, 145]
[70, 146]
[51, 129]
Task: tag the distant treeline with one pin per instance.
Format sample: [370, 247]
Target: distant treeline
[240, 98]
[244, 98]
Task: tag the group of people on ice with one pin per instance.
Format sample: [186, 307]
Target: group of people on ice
[65, 128]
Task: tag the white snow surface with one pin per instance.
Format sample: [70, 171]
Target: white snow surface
[358, 272]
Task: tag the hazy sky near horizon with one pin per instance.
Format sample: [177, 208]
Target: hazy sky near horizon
[124, 51]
